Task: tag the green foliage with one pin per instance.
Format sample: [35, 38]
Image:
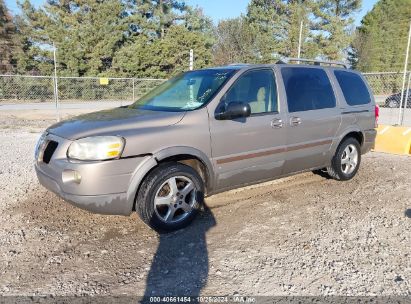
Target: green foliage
[161, 58]
[87, 33]
[100, 37]
[334, 22]
[381, 40]
[325, 31]
[235, 42]
[152, 38]
[7, 39]
[277, 23]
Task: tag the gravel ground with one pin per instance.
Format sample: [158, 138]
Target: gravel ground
[302, 235]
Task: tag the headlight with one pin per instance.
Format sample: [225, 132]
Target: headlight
[39, 145]
[96, 148]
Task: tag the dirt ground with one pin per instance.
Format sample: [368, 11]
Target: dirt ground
[302, 235]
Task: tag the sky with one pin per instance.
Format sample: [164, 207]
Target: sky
[218, 9]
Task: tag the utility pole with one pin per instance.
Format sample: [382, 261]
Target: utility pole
[299, 41]
[406, 96]
[56, 92]
[401, 113]
[191, 59]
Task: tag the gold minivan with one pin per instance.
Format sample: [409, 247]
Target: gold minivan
[208, 131]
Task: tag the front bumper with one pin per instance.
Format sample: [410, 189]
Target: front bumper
[104, 185]
[115, 204]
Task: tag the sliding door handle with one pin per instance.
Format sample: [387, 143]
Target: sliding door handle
[277, 123]
[295, 121]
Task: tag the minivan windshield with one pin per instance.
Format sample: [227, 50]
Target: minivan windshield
[187, 91]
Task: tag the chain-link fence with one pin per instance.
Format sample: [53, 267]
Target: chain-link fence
[74, 91]
[386, 87]
[33, 89]
[387, 90]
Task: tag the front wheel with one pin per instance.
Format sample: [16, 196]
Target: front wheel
[346, 160]
[170, 197]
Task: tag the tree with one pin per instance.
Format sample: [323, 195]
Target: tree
[325, 31]
[90, 35]
[7, 39]
[381, 39]
[235, 42]
[162, 58]
[86, 33]
[334, 22]
[277, 23]
[162, 50]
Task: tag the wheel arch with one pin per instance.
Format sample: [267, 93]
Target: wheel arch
[192, 157]
[185, 155]
[354, 132]
[358, 135]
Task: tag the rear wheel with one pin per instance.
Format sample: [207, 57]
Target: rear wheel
[170, 197]
[346, 160]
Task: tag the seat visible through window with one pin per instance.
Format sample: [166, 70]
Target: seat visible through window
[257, 88]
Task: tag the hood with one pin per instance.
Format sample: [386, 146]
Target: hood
[113, 122]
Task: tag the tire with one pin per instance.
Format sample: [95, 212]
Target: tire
[345, 166]
[165, 201]
[321, 172]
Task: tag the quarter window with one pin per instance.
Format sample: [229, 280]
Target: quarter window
[307, 89]
[257, 88]
[353, 87]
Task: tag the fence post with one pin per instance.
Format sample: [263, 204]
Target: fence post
[56, 92]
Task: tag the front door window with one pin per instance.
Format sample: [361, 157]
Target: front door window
[257, 88]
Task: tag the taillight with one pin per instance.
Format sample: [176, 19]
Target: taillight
[377, 115]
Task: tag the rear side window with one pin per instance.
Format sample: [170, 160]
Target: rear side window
[353, 87]
[307, 89]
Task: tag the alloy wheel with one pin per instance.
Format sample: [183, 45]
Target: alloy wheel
[349, 159]
[175, 199]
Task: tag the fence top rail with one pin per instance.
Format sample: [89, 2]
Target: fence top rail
[152, 79]
[26, 76]
[114, 78]
[81, 77]
[384, 73]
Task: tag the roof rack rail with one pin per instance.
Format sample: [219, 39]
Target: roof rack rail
[238, 63]
[315, 61]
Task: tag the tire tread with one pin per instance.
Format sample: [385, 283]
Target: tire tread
[143, 199]
[334, 170]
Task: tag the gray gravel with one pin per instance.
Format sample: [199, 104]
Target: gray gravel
[303, 235]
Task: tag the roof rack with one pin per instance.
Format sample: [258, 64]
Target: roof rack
[315, 61]
[238, 63]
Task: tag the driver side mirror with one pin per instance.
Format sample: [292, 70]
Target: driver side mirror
[233, 110]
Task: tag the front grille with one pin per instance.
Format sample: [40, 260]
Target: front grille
[50, 149]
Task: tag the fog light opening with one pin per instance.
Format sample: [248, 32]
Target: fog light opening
[69, 176]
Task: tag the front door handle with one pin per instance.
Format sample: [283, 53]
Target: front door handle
[295, 121]
[277, 123]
